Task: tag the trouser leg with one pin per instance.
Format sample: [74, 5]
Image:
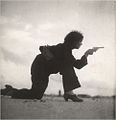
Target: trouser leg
[22, 94]
[70, 80]
[39, 85]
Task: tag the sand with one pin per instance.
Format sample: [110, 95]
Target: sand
[57, 108]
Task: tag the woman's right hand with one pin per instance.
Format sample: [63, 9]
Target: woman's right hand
[89, 52]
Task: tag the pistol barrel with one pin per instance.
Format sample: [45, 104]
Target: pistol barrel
[97, 47]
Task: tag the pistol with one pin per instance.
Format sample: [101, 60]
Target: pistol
[96, 48]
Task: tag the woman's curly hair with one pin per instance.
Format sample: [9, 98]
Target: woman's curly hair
[73, 37]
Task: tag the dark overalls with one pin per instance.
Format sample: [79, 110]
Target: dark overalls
[62, 62]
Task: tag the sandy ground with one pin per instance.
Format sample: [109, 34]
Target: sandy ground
[57, 108]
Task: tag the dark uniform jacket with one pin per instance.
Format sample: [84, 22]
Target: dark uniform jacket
[62, 59]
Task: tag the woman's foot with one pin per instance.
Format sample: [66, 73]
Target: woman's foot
[72, 97]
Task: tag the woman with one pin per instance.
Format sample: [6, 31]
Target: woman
[59, 58]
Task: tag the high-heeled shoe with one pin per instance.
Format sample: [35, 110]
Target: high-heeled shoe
[72, 97]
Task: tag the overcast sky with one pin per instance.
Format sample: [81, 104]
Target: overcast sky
[27, 25]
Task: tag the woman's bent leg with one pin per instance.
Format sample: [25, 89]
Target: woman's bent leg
[39, 85]
[70, 80]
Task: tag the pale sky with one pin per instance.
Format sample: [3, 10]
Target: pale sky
[27, 25]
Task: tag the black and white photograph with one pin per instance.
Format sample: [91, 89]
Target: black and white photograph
[57, 59]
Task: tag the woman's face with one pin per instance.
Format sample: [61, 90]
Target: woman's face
[77, 45]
